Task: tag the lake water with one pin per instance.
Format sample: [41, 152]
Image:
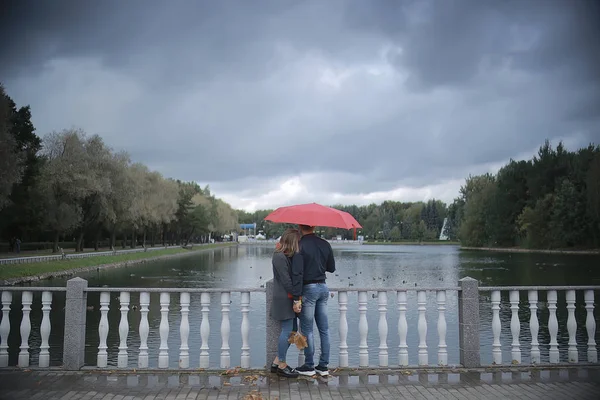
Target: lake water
[357, 266]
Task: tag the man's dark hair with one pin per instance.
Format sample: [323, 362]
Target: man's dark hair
[306, 228]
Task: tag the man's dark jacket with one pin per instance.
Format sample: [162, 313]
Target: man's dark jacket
[317, 255]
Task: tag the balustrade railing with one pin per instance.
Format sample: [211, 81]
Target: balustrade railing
[25, 325]
[533, 304]
[516, 309]
[166, 295]
[401, 301]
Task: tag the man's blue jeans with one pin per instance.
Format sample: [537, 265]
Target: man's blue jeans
[314, 306]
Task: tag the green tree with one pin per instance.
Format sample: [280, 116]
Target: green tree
[11, 155]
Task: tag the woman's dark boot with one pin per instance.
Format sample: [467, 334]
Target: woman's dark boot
[274, 368]
[287, 372]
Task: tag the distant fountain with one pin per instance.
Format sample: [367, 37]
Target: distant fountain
[443, 235]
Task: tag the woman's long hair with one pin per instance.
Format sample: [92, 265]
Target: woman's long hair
[289, 242]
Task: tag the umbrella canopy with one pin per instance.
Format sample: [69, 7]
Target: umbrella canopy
[313, 214]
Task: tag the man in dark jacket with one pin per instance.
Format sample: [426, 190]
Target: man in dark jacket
[318, 259]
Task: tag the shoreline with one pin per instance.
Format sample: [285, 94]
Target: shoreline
[415, 243]
[119, 264]
[539, 251]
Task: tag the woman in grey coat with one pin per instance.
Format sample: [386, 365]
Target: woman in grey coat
[287, 292]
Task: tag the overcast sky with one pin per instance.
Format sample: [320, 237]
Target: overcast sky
[290, 101]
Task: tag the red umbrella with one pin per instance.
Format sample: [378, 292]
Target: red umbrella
[313, 214]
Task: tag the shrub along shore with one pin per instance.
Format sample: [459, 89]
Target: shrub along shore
[417, 243]
[12, 274]
[521, 250]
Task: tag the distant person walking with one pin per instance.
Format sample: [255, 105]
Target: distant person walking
[317, 255]
[18, 245]
[287, 260]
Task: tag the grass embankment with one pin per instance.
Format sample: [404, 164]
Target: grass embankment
[10, 271]
[524, 250]
[415, 243]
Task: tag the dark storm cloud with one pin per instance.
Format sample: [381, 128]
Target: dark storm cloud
[368, 94]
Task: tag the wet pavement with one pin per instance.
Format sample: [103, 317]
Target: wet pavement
[558, 383]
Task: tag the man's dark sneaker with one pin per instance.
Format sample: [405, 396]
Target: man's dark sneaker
[306, 370]
[274, 368]
[321, 370]
[287, 372]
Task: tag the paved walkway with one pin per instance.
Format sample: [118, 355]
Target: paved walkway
[560, 384]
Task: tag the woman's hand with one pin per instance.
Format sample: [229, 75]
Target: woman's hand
[297, 306]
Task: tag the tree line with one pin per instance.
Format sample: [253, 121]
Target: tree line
[388, 221]
[72, 186]
[549, 202]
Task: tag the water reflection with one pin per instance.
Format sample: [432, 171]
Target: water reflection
[409, 267]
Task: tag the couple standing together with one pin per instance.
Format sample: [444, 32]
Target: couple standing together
[300, 262]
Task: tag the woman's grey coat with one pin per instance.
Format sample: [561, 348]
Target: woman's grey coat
[281, 308]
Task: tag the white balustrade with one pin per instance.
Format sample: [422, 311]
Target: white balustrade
[5, 328]
[442, 347]
[553, 326]
[515, 326]
[225, 329]
[343, 303]
[245, 308]
[383, 328]
[496, 327]
[44, 360]
[534, 326]
[163, 353]
[590, 326]
[572, 327]
[103, 330]
[184, 330]
[422, 327]
[402, 329]
[123, 357]
[26, 300]
[204, 330]
[363, 329]
[144, 330]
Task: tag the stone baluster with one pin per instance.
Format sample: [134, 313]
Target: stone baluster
[515, 326]
[590, 325]
[5, 328]
[553, 326]
[496, 328]
[103, 329]
[26, 300]
[245, 302]
[534, 326]
[163, 350]
[144, 330]
[363, 329]
[225, 329]
[204, 330]
[402, 329]
[572, 327]
[45, 328]
[442, 328]
[123, 357]
[184, 330]
[383, 328]
[343, 303]
[422, 327]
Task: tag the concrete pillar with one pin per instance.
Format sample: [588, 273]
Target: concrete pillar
[74, 336]
[468, 323]
[273, 327]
